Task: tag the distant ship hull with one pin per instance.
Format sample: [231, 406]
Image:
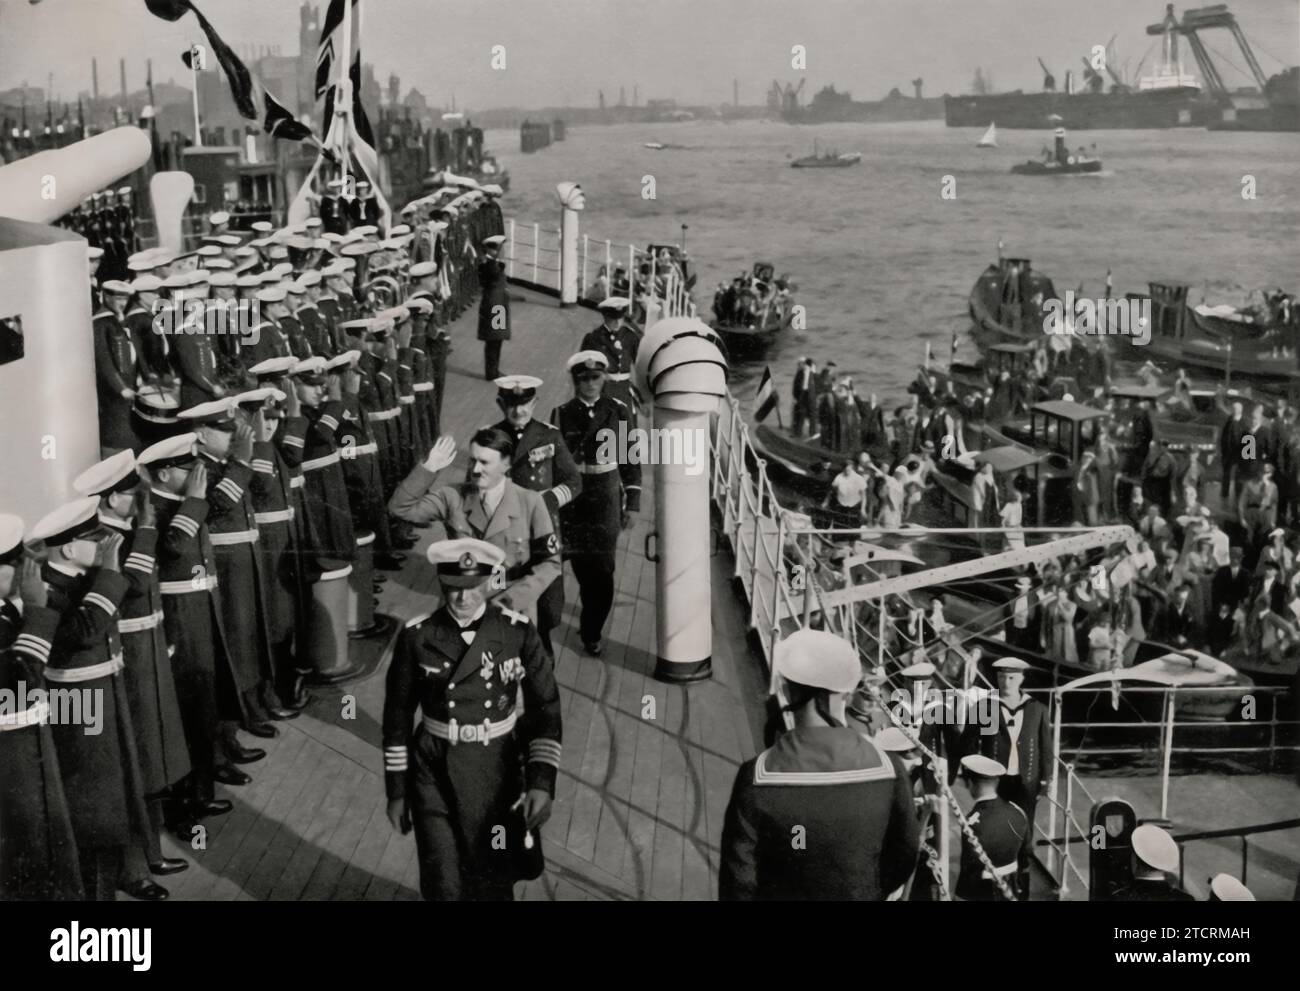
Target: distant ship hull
[1182, 107]
[887, 111]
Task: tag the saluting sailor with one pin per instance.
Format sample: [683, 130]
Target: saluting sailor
[542, 463]
[456, 777]
[611, 489]
[823, 813]
[38, 857]
[494, 306]
[618, 343]
[1155, 859]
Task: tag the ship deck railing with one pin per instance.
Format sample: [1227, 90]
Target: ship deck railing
[533, 257]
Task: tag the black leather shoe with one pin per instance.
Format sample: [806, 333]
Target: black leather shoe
[380, 579]
[211, 807]
[389, 562]
[169, 865]
[244, 755]
[594, 649]
[282, 713]
[146, 891]
[232, 776]
[265, 730]
[183, 830]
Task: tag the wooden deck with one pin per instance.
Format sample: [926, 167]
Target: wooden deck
[647, 767]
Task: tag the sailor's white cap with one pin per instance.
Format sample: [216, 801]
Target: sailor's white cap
[282, 269]
[169, 450]
[420, 269]
[818, 659]
[116, 287]
[1155, 848]
[346, 358]
[358, 248]
[248, 281]
[274, 366]
[227, 240]
[11, 538]
[365, 230]
[219, 264]
[1010, 664]
[147, 283]
[272, 294]
[107, 476]
[919, 671]
[614, 304]
[94, 254]
[399, 230]
[209, 250]
[590, 360]
[213, 412]
[65, 523]
[313, 366]
[1226, 888]
[421, 303]
[495, 239]
[311, 277]
[220, 217]
[517, 387]
[984, 767]
[223, 279]
[263, 227]
[259, 396]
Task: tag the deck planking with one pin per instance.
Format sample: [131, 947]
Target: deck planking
[646, 766]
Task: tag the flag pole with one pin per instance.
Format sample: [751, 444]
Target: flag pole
[194, 75]
[344, 99]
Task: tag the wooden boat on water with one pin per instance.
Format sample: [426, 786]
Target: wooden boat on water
[1060, 162]
[754, 315]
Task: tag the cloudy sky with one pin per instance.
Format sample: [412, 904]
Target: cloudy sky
[563, 51]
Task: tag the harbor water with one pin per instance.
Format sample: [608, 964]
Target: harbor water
[884, 262]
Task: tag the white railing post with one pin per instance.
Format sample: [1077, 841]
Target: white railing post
[653, 288]
[609, 266]
[777, 571]
[559, 263]
[510, 265]
[631, 276]
[537, 236]
[586, 248]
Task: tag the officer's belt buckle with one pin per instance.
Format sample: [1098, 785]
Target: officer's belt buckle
[472, 734]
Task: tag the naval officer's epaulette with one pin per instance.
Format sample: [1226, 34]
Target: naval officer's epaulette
[419, 620]
[510, 614]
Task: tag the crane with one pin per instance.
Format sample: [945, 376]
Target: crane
[1049, 80]
[1093, 79]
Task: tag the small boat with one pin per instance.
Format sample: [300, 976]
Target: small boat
[654, 146]
[827, 160]
[751, 316]
[990, 139]
[1211, 690]
[1061, 162]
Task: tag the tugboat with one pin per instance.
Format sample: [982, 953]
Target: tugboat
[752, 311]
[827, 160]
[1060, 162]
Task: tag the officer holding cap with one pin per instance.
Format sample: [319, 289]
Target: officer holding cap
[1155, 857]
[542, 463]
[1000, 828]
[454, 776]
[823, 813]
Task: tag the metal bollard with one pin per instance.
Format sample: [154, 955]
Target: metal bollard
[327, 635]
[361, 596]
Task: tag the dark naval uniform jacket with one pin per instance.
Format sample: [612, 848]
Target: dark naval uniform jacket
[461, 762]
[619, 347]
[520, 526]
[1000, 827]
[115, 371]
[1151, 890]
[150, 683]
[492, 283]
[1032, 731]
[543, 464]
[821, 814]
[593, 520]
[101, 772]
[38, 854]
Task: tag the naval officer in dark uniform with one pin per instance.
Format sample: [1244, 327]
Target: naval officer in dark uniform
[823, 813]
[494, 306]
[999, 827]
[611, 490]
[542, 463]
[456, 776]
[618, 343]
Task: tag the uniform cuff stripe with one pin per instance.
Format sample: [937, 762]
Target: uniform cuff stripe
[294, 441]
[95, 599]
[34, 645]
